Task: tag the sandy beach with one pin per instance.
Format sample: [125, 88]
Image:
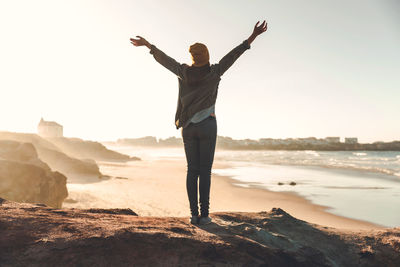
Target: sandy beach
[157, 188]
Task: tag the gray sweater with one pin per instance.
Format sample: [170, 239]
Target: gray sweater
[197, 92]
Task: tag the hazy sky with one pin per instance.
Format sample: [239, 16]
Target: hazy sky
[323, 68]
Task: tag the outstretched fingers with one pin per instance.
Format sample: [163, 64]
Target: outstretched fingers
[264, 28]
[134, 42]
[139, 41]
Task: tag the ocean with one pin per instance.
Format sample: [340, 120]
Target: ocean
[363, 185]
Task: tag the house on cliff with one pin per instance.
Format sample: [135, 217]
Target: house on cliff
[49, 129]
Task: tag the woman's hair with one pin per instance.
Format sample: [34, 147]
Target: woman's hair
[200, 55]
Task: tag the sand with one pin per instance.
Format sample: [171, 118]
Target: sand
[157, 188]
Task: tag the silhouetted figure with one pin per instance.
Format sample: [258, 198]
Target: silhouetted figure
[198, 88]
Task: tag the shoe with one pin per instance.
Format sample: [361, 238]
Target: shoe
[194, 219]
[205, 220]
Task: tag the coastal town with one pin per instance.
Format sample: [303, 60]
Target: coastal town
[309, 143]
[331, 143]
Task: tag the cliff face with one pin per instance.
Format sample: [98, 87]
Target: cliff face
[83, 149]
[67, 165]
[54, 156]
[25, 178]
[41, 236]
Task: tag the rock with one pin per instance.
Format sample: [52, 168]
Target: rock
[17, 151]
[105, 177]
[70, 200]
[25, 182]
[68, 165]
[34, 139]
[83, 149]
[24, 152]
[54, 157]
[25, 178]
[42, 236]
[112, 211]
[292, 183]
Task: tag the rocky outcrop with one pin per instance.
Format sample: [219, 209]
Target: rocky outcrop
[69, 166]
[24, 152]
[25, 178]
[83, 149]
[34, 139]
[56, 159]
[73, 157]
[41, 236]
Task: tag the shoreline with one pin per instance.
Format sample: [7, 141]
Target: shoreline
[353, 194]
[297, 205]
[300, 208]
[149, 194]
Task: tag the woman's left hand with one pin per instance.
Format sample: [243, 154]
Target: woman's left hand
[140, 41]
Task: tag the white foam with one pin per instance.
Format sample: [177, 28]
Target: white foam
[359, 153]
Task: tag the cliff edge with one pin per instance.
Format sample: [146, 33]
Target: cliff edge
[37, 235]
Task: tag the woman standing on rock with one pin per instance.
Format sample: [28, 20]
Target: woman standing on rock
[198, 88]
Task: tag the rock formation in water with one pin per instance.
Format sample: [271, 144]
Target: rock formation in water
[25, 178]
[41, 236]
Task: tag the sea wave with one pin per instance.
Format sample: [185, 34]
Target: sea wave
[377, 162]
[359, 153]
[344, 167]
[312, 152]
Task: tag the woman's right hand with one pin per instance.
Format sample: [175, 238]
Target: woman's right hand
[140, 41]
[260, 29]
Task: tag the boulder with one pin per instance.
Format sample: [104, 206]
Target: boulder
[25, 178]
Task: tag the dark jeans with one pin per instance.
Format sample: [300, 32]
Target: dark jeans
[199, 141]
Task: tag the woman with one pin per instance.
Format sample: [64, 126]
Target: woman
[198, 88]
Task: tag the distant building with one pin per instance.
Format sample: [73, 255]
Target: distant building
[332, 139]
[351, 140]
[50, 129]
[309, 141]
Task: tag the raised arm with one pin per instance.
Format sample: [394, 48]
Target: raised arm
[227, 61]
[159, 56]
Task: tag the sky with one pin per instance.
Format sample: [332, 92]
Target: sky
[323, 68]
